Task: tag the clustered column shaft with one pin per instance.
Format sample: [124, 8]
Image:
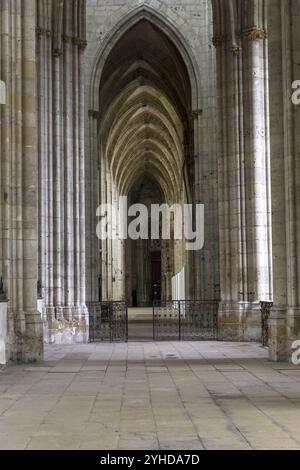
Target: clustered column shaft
[244, 167]
[61, 42]
[18, 178]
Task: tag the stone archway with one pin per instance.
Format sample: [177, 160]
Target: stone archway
[145, 128]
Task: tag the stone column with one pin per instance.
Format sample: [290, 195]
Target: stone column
[61, 42]
[18, 178]
[244, 182]
[284, 57]
[233, 262]
[3, 299]
[203, 266]
[95, 263]
[82, 43]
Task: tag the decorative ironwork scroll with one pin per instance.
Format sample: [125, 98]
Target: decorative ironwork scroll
[185, 320]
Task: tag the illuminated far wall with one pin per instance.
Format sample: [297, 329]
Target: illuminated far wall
[179, 285]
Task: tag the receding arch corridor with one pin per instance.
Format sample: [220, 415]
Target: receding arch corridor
[149, 395]
[110, 108]
[145, 140]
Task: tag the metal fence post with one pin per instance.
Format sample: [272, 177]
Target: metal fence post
[179, 315]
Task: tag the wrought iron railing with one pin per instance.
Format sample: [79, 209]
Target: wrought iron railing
[108, 321]
[185, 320]
[265, 308]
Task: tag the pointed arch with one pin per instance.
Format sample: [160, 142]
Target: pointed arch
[119, 30]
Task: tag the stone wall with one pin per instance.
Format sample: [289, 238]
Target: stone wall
[19, 178]
[240, 38]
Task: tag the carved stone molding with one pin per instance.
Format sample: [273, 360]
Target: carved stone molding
[254, 34]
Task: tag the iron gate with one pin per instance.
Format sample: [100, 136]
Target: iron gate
[185, 320]
[108, 321]
[265, 315]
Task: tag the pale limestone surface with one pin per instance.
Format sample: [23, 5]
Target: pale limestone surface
[151, 396]
[243, 143]
[19, 179]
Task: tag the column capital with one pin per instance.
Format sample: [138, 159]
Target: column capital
[254, 34]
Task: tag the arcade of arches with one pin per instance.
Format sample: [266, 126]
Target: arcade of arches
[162, 102]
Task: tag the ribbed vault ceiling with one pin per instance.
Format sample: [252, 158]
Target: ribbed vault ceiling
[145, 103]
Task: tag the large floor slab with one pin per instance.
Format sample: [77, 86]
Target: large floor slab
[203, 395]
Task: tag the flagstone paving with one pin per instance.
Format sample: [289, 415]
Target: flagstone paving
[171, 395]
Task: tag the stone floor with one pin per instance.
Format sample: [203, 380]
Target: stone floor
[140, 325]
[151, 396]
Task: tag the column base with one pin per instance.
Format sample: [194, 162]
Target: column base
[66, 325]
[239, 321]
[278, 350]
[25, 337]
